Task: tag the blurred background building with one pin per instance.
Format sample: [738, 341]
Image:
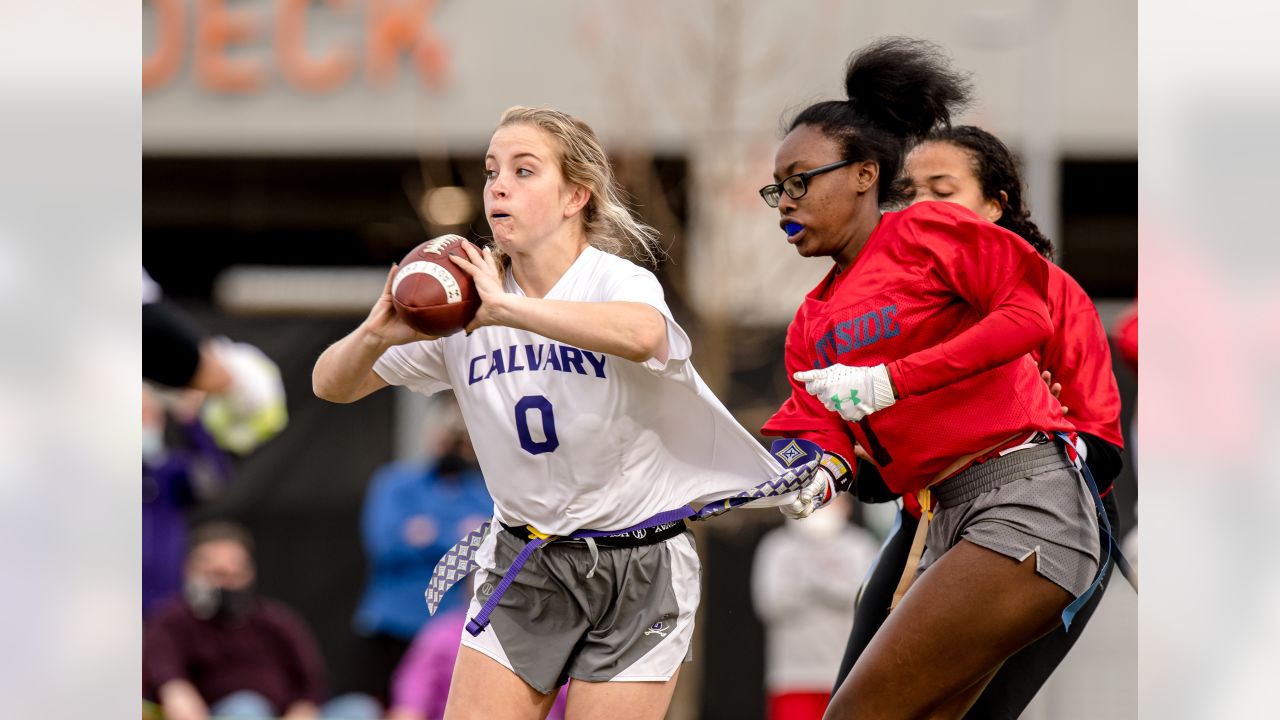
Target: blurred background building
[294, 149]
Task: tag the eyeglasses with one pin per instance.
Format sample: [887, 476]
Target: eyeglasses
[797, 185]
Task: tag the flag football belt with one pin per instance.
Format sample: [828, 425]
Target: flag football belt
[630, 539]
[800, 457]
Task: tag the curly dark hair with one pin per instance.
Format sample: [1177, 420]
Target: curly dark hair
[898, 90]
[996, 170]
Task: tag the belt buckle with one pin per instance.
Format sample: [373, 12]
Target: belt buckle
[534, 534]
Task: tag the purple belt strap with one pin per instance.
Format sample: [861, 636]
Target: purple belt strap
[801, 457]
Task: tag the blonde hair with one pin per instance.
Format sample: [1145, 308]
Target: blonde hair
[608, 222]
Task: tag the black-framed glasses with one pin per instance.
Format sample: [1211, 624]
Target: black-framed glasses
[796, 185]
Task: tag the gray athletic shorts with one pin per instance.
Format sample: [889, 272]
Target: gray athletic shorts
[631, 621]
[1043, 507]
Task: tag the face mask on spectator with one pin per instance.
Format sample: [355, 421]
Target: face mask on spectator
[453, 463]
[209, 602]
[454, 460]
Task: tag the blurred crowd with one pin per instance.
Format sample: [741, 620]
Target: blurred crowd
[215, 647]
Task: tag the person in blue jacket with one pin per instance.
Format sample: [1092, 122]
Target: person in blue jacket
[413, 512]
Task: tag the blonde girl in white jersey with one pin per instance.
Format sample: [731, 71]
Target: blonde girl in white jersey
[586, 414]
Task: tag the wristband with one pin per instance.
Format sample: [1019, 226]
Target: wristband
[838, 469]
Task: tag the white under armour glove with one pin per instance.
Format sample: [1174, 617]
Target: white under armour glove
[853, 392]
[833, 475]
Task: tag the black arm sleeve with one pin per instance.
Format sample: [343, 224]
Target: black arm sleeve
[170, 345]
[869, 485]
[1103, 460]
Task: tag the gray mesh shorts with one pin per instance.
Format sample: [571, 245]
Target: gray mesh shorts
[1039, 506]
[631, 621]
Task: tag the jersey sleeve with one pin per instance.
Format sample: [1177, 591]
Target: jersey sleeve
[417, 366]
[802, 415]
[1079, 357]
[638, 285]
[992, 270]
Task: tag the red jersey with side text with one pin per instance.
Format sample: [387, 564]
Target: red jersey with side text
[953, 305]
[1079, 357]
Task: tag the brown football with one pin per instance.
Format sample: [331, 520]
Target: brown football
[430, 292]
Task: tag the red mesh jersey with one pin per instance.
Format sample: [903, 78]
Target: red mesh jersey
[953, 305]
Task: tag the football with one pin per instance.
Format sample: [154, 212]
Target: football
[431, 293]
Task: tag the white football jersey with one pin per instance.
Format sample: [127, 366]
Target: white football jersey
[571, 439]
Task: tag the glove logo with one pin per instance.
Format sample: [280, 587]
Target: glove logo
[789, 454]
[853, 399]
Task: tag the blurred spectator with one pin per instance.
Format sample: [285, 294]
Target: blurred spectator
[220, 650]
[175, 476]
[413, 513]
[246, 403]
[1125, 334]
[421, 683]
[804, 584]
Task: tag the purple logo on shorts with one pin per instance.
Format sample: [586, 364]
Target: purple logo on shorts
[660, 628]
